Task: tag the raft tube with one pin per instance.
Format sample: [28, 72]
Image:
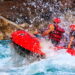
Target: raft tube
[27, 41]
[71, 51]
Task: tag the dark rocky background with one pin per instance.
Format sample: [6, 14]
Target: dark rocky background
[32, 14]
[21, 11]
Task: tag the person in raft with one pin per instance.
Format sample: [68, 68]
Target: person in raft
[72, 37]
[54, 31]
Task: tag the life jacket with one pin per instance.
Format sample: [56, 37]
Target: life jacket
[57, 33]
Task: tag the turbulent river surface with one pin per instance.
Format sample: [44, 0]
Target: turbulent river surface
[13, 64]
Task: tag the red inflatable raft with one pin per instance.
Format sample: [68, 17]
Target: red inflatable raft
[27, 41]
[68, 50]
[32, 43]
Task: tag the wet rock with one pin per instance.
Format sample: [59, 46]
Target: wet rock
[21, 11]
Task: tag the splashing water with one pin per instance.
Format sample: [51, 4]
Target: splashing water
[47, 48]
[59, 64]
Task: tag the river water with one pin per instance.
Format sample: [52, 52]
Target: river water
[12, 64]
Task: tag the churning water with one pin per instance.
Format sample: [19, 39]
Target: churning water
[13, 64]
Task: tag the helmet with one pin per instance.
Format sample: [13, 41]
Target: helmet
[57, 20]
[72, 27]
